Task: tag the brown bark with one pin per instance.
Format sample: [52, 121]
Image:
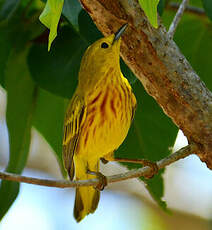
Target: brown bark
[165, 73]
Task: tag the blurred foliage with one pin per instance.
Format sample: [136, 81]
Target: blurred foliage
[39, 83]
[161, 6]
[21, 96]
[207, 4]
[48, 120]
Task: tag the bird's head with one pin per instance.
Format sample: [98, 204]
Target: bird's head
[100, 57]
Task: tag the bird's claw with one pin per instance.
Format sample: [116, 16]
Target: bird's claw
[153, 166]
[102, 180]
[103, 160]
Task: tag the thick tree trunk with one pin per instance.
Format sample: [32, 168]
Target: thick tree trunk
[163, 70]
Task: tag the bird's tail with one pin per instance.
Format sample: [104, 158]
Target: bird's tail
[87, 197]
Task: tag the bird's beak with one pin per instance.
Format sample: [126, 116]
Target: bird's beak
[119, 33]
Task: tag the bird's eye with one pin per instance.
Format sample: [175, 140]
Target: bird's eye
[104, 45]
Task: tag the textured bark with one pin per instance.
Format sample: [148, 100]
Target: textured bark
[165, 73]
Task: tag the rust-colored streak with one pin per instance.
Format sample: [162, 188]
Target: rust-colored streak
[94, 131]
[109, 72]
[122, 116]
[86, 138]
[103, 105]
[95, 99]
[119, 99]
[119, 93]
[118, 103]
[91, 109]
[113, 107]
[91, 119]
[128, 90]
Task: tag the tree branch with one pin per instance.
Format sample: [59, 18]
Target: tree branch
[177, 18]
[191, 9]
[145, 171]
[164, 72]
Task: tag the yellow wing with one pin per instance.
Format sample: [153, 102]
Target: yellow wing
[75, 116]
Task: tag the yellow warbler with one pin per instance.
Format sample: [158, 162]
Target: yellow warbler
[98, 117]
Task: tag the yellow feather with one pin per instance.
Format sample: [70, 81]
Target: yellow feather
[98, 118]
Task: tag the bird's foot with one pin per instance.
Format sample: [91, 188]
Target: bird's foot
[152, 165]
[102, 180]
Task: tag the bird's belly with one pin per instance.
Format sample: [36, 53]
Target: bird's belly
[108, 119]
[105, 135]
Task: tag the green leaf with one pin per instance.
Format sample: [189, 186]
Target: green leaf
[50, 17]
[4, 54]
[150, 9]
[161, 6]
[15, 34]
[58, 69]
[71, 10]
[8, 8]
[87, 28]
[48, 120]
[150, 137]
[20, 103]
[207, 4]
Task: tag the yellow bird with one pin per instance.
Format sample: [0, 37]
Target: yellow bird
[98, 117]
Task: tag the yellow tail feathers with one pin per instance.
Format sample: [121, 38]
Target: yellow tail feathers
[87, 197]
[86, 202]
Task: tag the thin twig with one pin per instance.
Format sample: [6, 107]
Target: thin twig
[177, 18]
[191, 9]
[145, 171]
